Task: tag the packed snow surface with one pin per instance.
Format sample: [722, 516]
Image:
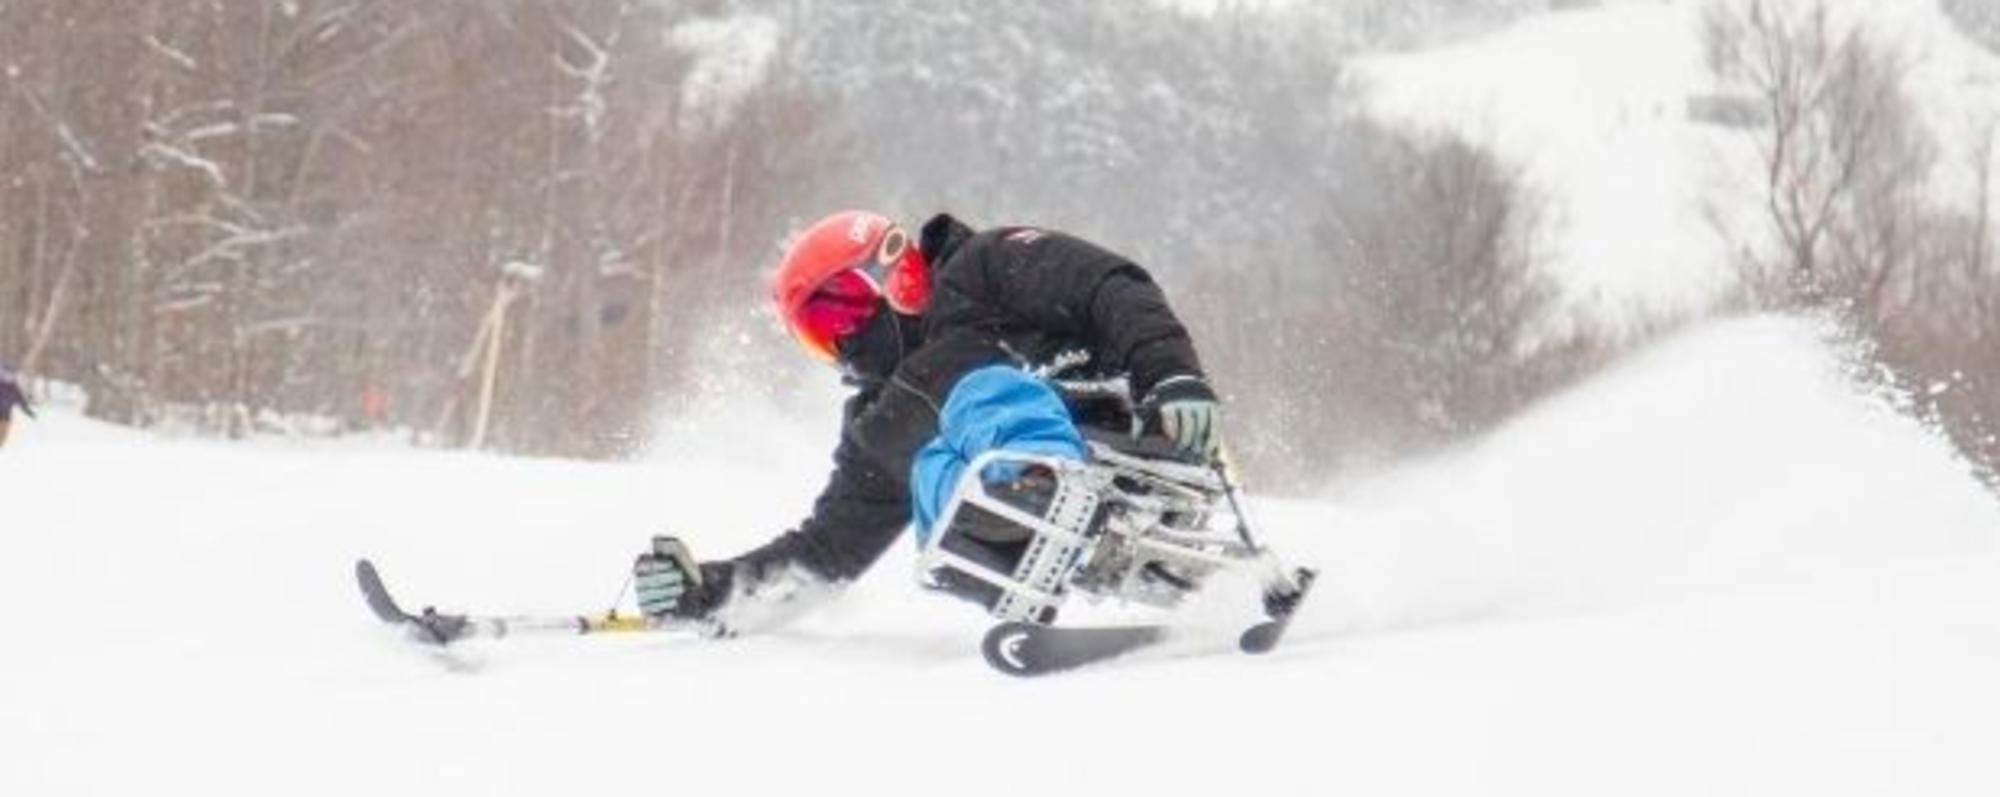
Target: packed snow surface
[1720, 569]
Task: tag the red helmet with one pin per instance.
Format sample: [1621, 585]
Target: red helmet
[827, 286]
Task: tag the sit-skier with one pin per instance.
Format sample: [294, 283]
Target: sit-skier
[917, 327]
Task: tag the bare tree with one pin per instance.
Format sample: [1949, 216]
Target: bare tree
[1849, 197]
[1424, 320]
[1844, 153]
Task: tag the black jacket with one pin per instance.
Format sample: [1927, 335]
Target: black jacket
[1008, 295]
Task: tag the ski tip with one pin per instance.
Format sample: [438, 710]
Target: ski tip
[1265, 636]
[1262, 637]
[376, 594]
[430, 627]
[369, 579]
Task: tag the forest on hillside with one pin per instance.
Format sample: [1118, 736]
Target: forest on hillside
[535, 226]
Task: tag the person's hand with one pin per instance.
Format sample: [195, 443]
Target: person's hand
[1189, 414]
[667, 581]
[1192, 425]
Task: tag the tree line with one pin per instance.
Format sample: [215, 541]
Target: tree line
[529, 224]
[229, 209]
[537, 226]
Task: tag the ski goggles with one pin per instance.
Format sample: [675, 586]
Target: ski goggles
[836, 309]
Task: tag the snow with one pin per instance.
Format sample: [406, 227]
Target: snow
[1720, 569]
[731, 56]
[1588, 103]
[163, 152]
[1212, 7]
[1591, 104]
[1953, 80]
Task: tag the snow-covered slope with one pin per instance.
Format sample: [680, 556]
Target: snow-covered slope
[1592, 104]
[1718, 570]
[1589, 103]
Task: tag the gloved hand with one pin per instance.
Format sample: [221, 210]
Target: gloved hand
[1189, 414]
[668, 582]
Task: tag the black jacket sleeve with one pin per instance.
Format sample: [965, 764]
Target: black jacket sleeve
[866, 503]
[1071, 288]
[858, 515]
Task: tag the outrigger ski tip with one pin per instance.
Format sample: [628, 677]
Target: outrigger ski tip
[431, 627]
[377, 595]
[1265, 636]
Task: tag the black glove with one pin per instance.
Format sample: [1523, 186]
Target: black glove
[669, 584]
[1189, 415]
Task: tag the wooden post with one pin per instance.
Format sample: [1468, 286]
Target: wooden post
[495, 329]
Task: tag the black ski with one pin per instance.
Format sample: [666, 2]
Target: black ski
[1282, 607]
[430, 626]
[1025, 649]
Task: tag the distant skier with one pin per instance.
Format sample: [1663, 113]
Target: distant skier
[907, 322]
[11, 397]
